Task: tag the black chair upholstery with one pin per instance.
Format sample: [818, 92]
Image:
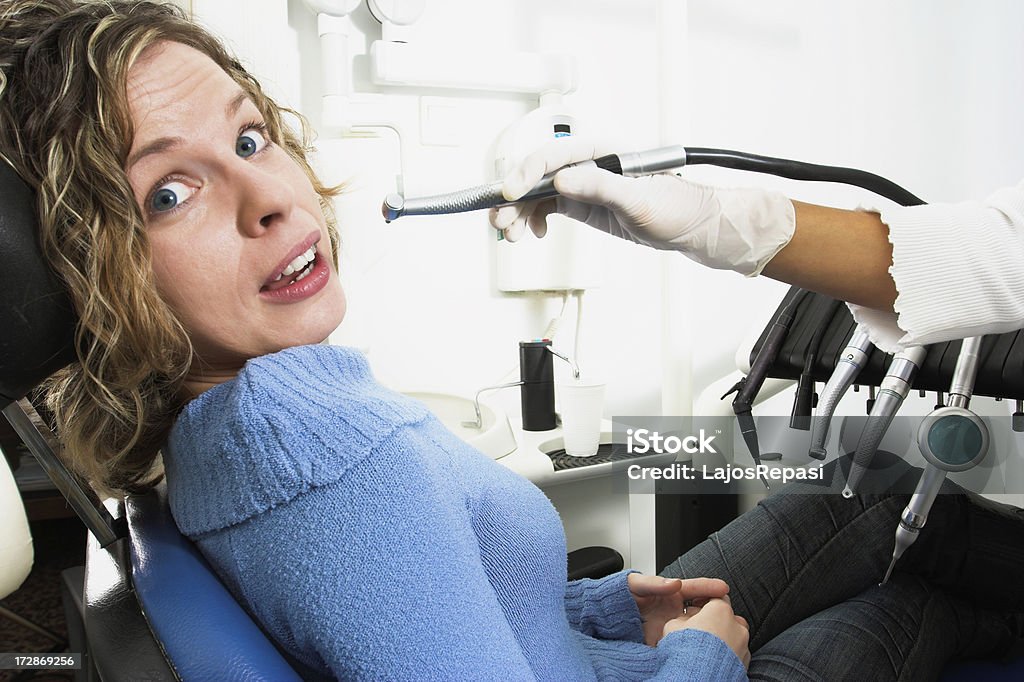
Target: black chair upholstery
[36, 322]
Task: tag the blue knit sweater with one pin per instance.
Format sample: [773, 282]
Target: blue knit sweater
[371, 543]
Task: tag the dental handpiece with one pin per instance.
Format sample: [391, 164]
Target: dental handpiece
[490, 195]
[646, 163]
[952, 438]
[853, 358]
[891, 393]
[747, 388]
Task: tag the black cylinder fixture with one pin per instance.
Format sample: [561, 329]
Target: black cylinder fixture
[537, 371]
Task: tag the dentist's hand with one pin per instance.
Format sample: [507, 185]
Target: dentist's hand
[733, 229]
[660, 600]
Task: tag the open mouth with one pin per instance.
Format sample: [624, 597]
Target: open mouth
[296, 271]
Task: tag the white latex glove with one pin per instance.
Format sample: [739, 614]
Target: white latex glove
[725, 229]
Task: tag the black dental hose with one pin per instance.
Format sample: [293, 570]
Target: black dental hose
[799, 170]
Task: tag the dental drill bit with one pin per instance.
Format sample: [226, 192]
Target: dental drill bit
[852, 359]
[893, 391]
[915, 514]
[952, 438]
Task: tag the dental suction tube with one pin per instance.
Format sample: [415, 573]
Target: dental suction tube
[647, 163]
[891, 393]
[853, 358]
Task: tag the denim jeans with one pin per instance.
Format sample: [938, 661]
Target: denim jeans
[803, 569]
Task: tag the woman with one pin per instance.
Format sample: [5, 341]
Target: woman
[367, 540]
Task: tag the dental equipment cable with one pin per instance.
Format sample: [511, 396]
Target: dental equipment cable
[952, 438]
[647, 163]
[892, 391]
[852, 359]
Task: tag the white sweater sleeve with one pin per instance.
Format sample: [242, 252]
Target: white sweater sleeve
[958, 269]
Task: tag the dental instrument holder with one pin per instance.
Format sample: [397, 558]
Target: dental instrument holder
[537, 373]
[952, 438]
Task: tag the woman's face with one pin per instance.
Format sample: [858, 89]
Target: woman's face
[232, 220]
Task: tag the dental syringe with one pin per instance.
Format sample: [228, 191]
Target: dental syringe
[646, 163]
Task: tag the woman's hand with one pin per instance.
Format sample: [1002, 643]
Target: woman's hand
[716, 617]
[661, 600]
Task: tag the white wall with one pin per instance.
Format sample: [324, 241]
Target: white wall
[422, 294]
[925, 92]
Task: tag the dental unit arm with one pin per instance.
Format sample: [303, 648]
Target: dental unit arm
[851, 361]
[891, 393]
[952, 438]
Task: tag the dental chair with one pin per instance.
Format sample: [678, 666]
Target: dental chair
[151, 607]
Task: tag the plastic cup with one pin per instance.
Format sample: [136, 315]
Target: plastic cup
[581, 407]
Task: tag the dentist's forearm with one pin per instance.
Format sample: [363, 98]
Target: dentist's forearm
[843, 254]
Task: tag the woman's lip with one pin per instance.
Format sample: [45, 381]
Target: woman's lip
[308, 286]
[299, 249]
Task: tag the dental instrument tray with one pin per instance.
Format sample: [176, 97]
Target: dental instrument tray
[1000, 370]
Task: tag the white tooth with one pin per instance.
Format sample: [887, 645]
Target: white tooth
[278, 277]
[311, 253]
[297, 264]
[305, 274]
[287, 271]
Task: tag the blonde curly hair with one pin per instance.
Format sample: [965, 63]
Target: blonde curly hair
[65, 128]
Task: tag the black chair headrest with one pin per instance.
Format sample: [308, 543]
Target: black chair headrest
[36, 319]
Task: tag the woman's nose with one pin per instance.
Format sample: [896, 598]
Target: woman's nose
[264, 200]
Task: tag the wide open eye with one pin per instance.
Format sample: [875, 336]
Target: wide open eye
[251, 141]
[169, 196]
